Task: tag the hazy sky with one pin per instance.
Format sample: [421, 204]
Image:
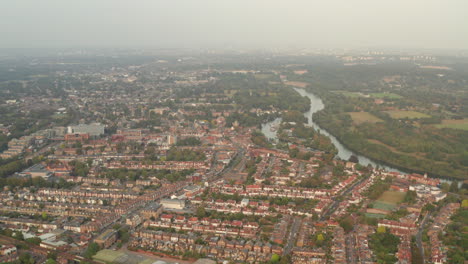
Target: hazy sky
[239, 23]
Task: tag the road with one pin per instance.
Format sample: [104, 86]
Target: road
[350, 249]
[42, 150]
[76, 118]
[228, 169]
[336, 202]
[419, 236]
[293, 232]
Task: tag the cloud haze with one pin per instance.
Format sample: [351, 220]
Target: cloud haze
[240, 23]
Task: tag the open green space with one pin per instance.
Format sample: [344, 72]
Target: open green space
[362, 117]
[108, 255]
[400, 114]
[371, 215]
[117, 257]
[349, 94]
[373, 95]
[383, 206]
[454, 124]
[385, 95]
[264, 76]
[392, 197]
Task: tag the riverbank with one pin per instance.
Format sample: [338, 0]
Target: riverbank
[345, 150]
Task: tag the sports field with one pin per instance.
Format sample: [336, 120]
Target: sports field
[388, 200]
[400, 114]
[383, 206]
[108, 256]
[392, 197]
[375, 215]
[363, 117]
[454, 124]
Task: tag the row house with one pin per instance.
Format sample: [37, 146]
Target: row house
[338, 248]
[404, 250]
[398, 228]
[28, 223]
[74, 193]
[438, 250]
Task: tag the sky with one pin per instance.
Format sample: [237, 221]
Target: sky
[441, 24]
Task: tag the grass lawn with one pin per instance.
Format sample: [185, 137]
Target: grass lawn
[108, 256]
[297, 84]
[264, 76]
[400, 114]
[375, 215]
[147, 261]
[454, 124]
[392, 197]
[349, 94]
[362, 117]
[383, 206]
[385, 95]
[230, 93]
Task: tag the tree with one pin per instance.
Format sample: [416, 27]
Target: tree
[454, 187]
[353, 158]
[275, 258]
[50, 261]
[429, 207]
[464, 203]
[445, 187]
[26, 258]
[201, 212]
[410, 197]
[92, 249]
[381, 229]
[34, 240]
[320, 237]
[18, 235]
[347, 223]
[52, 255]
[285, 259]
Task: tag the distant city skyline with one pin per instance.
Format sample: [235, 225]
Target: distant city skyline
[424, 24]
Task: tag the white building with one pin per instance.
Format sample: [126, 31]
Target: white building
[94, 129]
[173, 203]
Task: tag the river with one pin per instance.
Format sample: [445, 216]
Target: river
[316, 105]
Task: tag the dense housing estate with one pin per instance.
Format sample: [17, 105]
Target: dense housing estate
[175, 160]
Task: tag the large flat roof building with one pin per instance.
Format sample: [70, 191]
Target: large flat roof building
[173, 203]
[94, 129]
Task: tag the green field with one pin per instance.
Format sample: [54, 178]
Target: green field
[349, 94]
[392, 197]
[388, 200]
[362, 117]
[264, 76]
[454, 124]
[108, 256]
[373, 95]
[117, 257]
[385, 95]
[375, 215]
[400, 114]
[383, 206]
